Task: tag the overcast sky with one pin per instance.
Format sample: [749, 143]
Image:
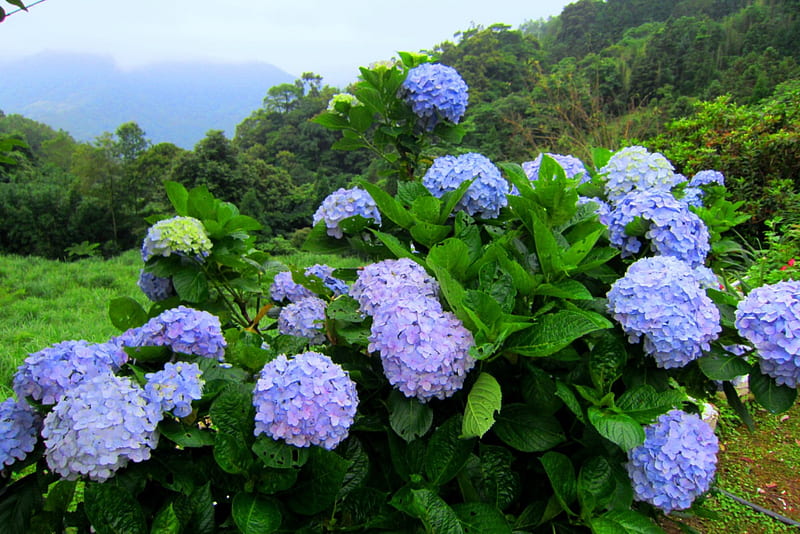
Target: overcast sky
[329, 37]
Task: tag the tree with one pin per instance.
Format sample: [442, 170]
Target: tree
[283, 98]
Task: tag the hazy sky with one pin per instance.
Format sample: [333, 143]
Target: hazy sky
[329, 37]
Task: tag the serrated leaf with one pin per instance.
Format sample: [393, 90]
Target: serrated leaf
[408, 417]
[319, 482]
[431, 509]
[191, 284]
[112, 510]
[178, 196]
[565, 289]
[769, 394]
[232, 453]
[554, 331]
[388, 206]
[595, 483]
[484, 400]
[617, 428]
[479, 518]
[522, 427]
[166, 521]
[722, 365]
[561, 473]
[447, 452]
[644, 404]
[628, 521]
[254, 514]
[185, 436]
[278, 455]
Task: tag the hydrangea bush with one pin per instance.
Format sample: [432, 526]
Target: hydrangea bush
[513, 355]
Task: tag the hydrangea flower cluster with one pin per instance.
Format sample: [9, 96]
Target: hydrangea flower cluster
[635, 167]
[674, 230]
[660, 301]
[325, 273]
[769, 318]
[573, 167]
[304, 318]
[602, 210]
[382, 282]
[344, 203]
[155, 287]
[19, 430]
[484, 197]
[98, 427]
[48, 374]
[693, 196]
[184, 236]
[175, 387]
[676, 462]
[184, 330]
[424, 350]
[707, 177]
[343, 100]
[435, 92]
[285, 288]
[306, 400]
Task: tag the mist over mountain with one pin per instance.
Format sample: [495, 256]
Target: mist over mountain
[177, 102]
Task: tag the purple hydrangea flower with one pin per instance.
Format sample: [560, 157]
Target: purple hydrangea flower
[484, 197]
[344, 203]
[285, 288]
[155, 287]
[707, 178]
[184, 236]
[304, 318]
[390, 280]
[660, 301]
[769, 318]
[184, 330]
[19, 430]
[48, 374]
[676, 462]
[573, 167]
[673, 229]
[98, 427]
[435, 92]
[636, 168]
[174, 387]
[306, 400]
[325, 273]
[424, 350]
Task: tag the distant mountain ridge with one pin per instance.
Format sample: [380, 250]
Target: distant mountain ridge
[175, 102]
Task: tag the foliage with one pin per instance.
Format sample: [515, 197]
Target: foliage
[487, 356]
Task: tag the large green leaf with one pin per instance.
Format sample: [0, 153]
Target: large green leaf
[191, 284]
[319, 482]
[627, 521]
[432, 510]
[484, 399]
[408, 417]
[722, 365]
[388, 206]
[166, 521]
[621, 429]
[255, 514]
[447, 452]
[595, 483]
[112, 510]
[561, 473]
[278, 455]
[769, 394]
[479, 517]
[552, 332]
[643, 403]
[178, 196]
[126, 313]
[232, 453]
[232, 411]
[524, 428]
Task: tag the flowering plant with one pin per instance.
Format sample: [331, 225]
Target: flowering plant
[496, 333]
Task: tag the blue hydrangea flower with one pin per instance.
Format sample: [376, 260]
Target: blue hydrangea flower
[573, 167]
[673, 229]
[344, 203]
[19, 430]
[484, 197]
[385, 281]
[98, 427]
[602, 210]
[635, 167]
[676, 462]
[304, 318]
[184, 236]
[175, 387]
[707, 178]
[660, 301]
[306, 400]
[184, 330]
[325, 273]
[285, 288]
[155, 287]
[48, 374]
[424, 350]
[769, 318]
[693, 196]
[435, 92]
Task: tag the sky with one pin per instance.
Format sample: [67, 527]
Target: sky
[329, 37]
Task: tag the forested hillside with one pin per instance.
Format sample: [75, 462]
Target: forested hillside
[710, 83]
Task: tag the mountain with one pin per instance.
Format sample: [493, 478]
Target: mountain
[177, 102]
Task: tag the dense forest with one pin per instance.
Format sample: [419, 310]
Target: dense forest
[712, 84]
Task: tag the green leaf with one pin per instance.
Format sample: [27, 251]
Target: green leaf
[450, 199]
[331, 120]
[720, 364]
[202, 506]
[408, 417]
[432, 510]
[191, 284]
[565, 289]
[348, 143]
[388, 206]
[479, 518]
[232, 411]
[178, 196]
[426, 208]
[319, 241]
[428, 233]
[606, 360]
[126, 313]
[396, 247]
[59, 497]
[595, 483]
[628, 521]
[484, 399]
[451, 254]
[185, 436]
[737, 405]
[232, 453]
[643, 403]
[254, 514]
[524, 428]
[581, 248]
[166, 521]
[769, 394]
[201, 204]
[18, 3]
[447, 452]
[552, 332]
[319, 482]
[539, 390]
[561, 473]
[112, 510]
[278, 455]
[618, 428]
[548, 250]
